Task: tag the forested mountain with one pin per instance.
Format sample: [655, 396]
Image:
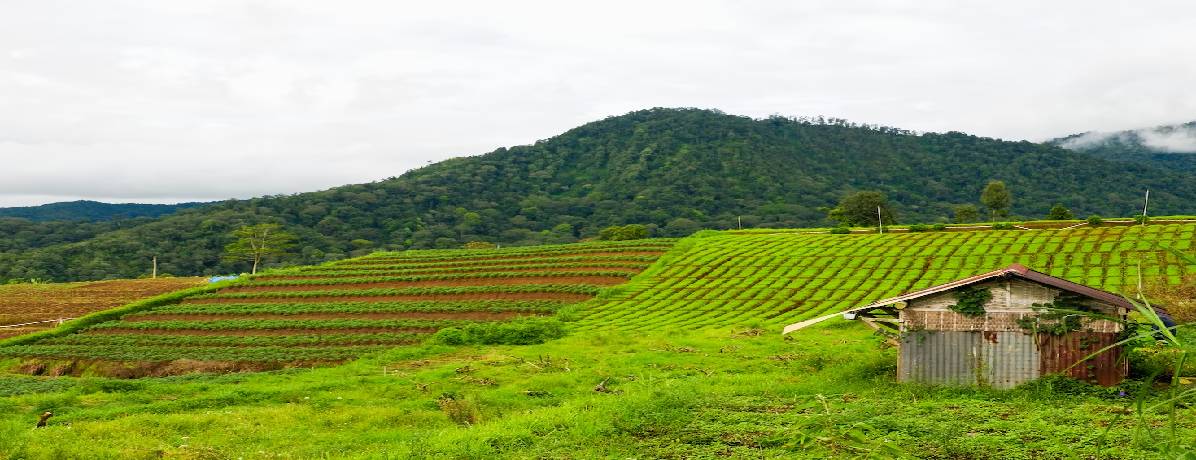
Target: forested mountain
[1170, 147]
[91, 211]
[675, 170]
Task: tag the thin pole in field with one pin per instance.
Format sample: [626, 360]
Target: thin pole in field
[740, 218]
[880, 222]
[155, 273]
[1144, 205]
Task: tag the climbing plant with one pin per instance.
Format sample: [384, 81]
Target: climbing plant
[970, 300]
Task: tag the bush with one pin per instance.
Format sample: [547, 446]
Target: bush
[1002, 226]
[939, 227]
[1158, 359]
[527, 331]
[623, 233]
[1095, 220]
[479, 245]
[1142, 220]
[840, 230]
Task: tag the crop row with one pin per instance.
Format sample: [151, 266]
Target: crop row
[307, 340]
[493, 306]
[571, 267]
[384, 259]
[265, 324]
[167, 353]
[415, 279]
[649, 244]
[780, 278]
[421, 291]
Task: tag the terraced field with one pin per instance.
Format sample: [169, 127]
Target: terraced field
[34, 303]
[341, 310]
[772, 279]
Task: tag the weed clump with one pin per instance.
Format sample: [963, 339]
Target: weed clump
[528, 331]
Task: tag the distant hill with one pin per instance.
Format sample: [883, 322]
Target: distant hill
[1171, 147]
[92, 211]
[675, 170]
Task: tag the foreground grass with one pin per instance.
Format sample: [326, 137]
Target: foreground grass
[714, 393]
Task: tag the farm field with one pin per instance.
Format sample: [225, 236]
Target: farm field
[778, 278]
[341, 310]
[25, 303]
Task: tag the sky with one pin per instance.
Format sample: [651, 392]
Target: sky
[168, 101]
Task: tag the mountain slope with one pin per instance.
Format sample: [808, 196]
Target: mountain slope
[84, 210]
[1171, 147]
[674, 169]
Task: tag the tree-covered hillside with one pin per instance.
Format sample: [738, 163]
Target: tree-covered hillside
[676, 170]
[85, 210]
[1170, 147]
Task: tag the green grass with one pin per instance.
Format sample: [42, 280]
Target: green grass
[702, 394]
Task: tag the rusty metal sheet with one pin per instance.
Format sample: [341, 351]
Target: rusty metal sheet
[996, 359]
[1059, 353]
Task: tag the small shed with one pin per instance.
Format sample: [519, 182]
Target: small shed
[1001, 329]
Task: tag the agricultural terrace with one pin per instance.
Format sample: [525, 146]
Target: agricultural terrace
[341, 310]
[37, 302]
[772, 279]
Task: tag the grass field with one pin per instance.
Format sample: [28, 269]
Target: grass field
[713, 393]
[773, 279]
[25, 303]
[341, 310]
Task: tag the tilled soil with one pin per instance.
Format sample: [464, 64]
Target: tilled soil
[564, 296]
[462, 315]
[504, 281]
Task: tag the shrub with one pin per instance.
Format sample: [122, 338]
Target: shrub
[623, 233]
[840, 230]
[1002, 226]
[478, 245]
[1141, 220]
[1095, 220]
[939, 227]
[1158, 360]
[526, 331]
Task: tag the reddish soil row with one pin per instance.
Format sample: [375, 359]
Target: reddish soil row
[565, 296]
[317, 275]
[505, 281]
[463, 315]
[253, 332]
[458, 260]
[22, 303]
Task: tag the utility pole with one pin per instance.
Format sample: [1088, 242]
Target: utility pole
[1144, 205]
[155, 273]
[880, 221]
[740, 218]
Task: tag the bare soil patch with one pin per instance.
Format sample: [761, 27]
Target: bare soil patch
[317, 275]
[459, 260]
[253, 332]
[463, 315]
[21, 303]
[564, 296]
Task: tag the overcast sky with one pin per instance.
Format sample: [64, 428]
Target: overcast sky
[163, 101]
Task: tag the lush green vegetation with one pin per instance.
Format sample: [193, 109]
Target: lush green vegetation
[672, 170]
[93, 211]
[740, 393]
[723, 279]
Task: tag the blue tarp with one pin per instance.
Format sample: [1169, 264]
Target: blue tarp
[216, 279]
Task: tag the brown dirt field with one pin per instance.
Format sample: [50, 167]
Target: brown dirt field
[507, 281]
[566, 296]
[252, 332]
[20, 303]
[15, 331]
[469, 315]
[458, 261]
[317, 275]
[134, 370]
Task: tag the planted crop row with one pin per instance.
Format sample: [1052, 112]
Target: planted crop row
[387, 271]
[262, 324]
[168, 353]
[448, 277]
[652, 244]
[781, 278]
[137, 340]
[422, 291]
[531, 306]
[375, 259]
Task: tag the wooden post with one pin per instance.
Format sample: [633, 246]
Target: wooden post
[155, 272]
[1144, 205]
[740, 218]
[880, 221]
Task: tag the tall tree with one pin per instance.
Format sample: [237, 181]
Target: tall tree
[860, 209]
[996, 198]
[255, 243]
[1059, 212]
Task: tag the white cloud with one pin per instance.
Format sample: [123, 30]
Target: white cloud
[1178, 140]
[151, 101]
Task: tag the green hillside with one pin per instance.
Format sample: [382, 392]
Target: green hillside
[1170, 147]
[675, 170]
[773, 279]
[90, 211]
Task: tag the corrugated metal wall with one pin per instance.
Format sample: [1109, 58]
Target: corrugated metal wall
[996, 359]
[1060, 352]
